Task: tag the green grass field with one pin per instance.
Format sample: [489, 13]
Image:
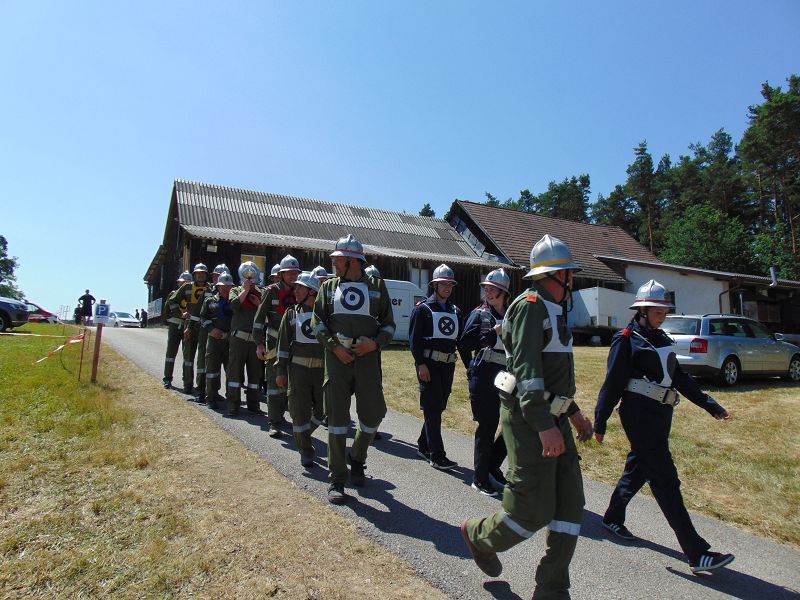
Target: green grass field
[744, 471]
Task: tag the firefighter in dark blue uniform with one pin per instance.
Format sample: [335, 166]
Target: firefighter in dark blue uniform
[644, 374]
[433, 335]
[481, 340]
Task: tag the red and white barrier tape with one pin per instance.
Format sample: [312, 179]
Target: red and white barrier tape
[35, 334]
[75, 340]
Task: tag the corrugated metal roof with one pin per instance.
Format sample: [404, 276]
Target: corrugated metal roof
[516, 232]
[269, 239]
[288, 218]
[718, 274]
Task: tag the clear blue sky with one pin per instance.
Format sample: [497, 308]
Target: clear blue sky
[385, 104]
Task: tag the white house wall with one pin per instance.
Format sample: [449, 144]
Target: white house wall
[694, 294]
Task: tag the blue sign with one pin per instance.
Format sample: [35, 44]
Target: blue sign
[101, 312]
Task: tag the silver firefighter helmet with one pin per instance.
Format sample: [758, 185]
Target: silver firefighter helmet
[185, 277]
[350, 247]
[225, 279]
[248, 270]
[308, 280]
[289, 263]
[499, 279]
[548, 255]
[320, 273]
[222, 268]
[443, 274]
[372, 271]
[200, 268]
[652, 293]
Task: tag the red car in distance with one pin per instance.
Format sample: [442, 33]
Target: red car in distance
[36, 314]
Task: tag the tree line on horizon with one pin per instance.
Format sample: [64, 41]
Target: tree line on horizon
[722, 206]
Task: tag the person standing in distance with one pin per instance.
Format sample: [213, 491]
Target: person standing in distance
[482, 341]
[433, 335]
[353, 320]
[643, 376]
[545, 488]
[85, 302]
[300, 366]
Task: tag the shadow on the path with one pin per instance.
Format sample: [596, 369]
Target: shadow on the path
[404, 520]
[739, 585]
[501, 590]
[592, 528]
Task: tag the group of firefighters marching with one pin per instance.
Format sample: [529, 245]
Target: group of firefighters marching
[319, 339]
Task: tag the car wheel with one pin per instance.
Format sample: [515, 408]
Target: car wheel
[5, 322]
[730, 372]
[116, 324]
[794, 369]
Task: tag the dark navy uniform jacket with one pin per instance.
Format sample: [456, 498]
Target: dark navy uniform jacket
[633, 355]
[421, 335]
[478, 333]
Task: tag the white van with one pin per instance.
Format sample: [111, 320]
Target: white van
[405, 296]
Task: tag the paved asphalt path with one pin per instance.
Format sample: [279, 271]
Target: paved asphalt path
[414, 511]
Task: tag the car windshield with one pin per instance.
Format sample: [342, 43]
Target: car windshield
[681, 326]
[124, 316]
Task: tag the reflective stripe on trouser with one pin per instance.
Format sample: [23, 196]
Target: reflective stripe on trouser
[202, 336]
[276, 397]
[362, 377]
[242, 357]
[305, 404]
[189, 352]
[216, 359]
[541, 492]
[174, 337]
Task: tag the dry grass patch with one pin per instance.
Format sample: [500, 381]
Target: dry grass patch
[744, 471]
[124, 490]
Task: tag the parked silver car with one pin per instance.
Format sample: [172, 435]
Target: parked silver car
[730, 346]
[123, 319]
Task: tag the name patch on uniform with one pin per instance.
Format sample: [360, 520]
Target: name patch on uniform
[351, 298]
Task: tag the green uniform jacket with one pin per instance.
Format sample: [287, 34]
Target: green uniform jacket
[289, 345]
[538, 360]
[194, 295]
[268, 315]
[175, 306]
[328, 319]
[243, 315]
[209, 316]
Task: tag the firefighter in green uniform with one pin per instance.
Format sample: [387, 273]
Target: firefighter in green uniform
[544, 487]
[195, 294]
[353, 320]
[245, 300]
[175, 307]
[216, 316]
[302, 356]
[278, 298]
[202, 336]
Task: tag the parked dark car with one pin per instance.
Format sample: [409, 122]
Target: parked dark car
[13, 313]
[729, 347]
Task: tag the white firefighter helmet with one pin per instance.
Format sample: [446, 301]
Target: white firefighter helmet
[185, 277]
[499, 279]
[350, 247]
[320, 273]
[443, 274]
[225, 279]
[308, 280]
[289, 263]
[222, 268]
[550, 254]
[372, 271]
[248, 270]
[273, 272]
[652, 293]
[200, 268]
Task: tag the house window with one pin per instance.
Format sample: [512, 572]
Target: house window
[420, 277]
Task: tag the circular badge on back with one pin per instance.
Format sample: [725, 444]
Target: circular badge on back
[353, 298]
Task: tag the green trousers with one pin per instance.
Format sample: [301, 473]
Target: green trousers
[202, 338]
[541, 492]
[216, 358]
[362, 377]
[191, 337]
[276, 397]
[174, 337]
[242, 358]
[305, 404]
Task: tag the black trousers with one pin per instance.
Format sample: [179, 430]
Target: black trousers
[433, 397]
[647, 424]
[484, 397]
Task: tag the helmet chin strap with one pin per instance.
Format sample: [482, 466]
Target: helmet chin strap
[566, 303]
